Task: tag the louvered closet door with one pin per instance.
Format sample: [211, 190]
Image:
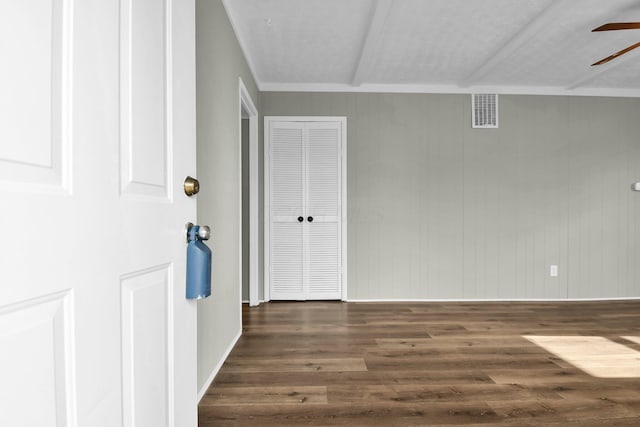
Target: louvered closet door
[305, 192]
[323, 204]
[287, 204]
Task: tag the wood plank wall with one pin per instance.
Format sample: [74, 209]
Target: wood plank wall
[438, 210]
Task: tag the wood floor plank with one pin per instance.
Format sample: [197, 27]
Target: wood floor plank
[435, 393]
[352, 378]
[404, 343]
[350, 414]
[564, 409]
[417, 364]
[224, 396]
[295, 365]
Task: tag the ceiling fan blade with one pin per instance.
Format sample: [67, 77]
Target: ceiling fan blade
[615, 55]
[612, 26]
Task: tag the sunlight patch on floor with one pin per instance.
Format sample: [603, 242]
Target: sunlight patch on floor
[597, 356]
[633, 339]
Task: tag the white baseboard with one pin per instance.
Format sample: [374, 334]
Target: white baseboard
[216, 369]
[497, 300]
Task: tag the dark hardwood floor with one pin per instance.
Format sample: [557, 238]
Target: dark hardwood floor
[419, 364]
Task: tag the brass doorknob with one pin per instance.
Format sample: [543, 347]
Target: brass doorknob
[191, 186]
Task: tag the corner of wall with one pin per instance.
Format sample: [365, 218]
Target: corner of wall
[219, 63]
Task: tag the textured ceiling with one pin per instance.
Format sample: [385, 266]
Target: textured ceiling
[505, 46]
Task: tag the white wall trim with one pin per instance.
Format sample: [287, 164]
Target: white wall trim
[383, 300]
[266, 229]
[447, 89]
[248, 105]
[484, 300]
[216, 369]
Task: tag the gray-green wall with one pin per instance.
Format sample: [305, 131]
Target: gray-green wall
[219, 64]
[438, 210]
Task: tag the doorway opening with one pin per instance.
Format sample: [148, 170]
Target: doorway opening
[249, 232]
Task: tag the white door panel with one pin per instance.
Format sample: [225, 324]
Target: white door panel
[35, 92]
[92, 301]
[287, 189]
[324, 200]
[146, 332]
[323, 170]
[145, 49]
[287, 204]
[323, 254]
[36, 349]
[287, 260]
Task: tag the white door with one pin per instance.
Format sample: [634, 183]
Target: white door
[96, 137]
[305, 208]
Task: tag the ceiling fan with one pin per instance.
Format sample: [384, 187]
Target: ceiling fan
[612, 26]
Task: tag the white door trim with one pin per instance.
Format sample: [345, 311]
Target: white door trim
[248, 105]
[267, 210]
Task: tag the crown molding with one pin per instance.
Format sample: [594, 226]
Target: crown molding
[448, 89]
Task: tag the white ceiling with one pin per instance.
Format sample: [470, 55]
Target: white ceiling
[450, 46]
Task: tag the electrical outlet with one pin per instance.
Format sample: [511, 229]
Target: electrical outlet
[553, 270]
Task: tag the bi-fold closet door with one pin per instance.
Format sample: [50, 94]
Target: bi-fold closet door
[304, 208]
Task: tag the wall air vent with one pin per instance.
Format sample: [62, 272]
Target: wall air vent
[484, 110]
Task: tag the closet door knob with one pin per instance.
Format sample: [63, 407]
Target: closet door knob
[310, 219]
[300, 219]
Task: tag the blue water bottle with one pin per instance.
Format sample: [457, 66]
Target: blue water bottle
[198, 262]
